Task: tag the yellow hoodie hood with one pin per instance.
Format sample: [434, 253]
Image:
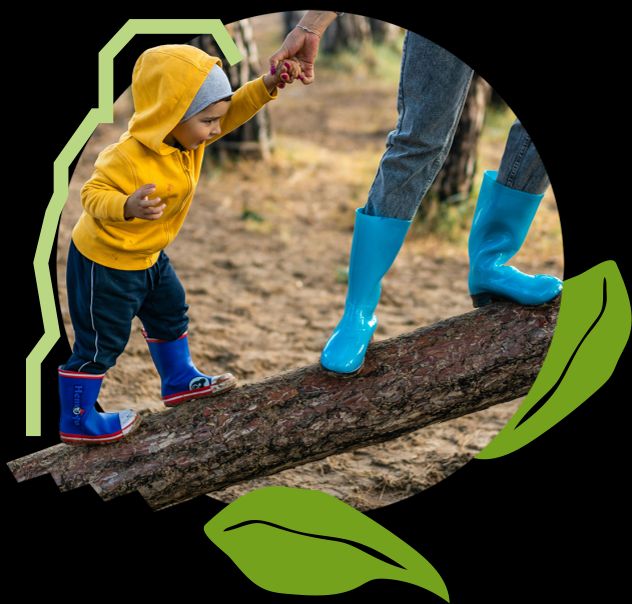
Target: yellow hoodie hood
[164, 83]
[166, 79]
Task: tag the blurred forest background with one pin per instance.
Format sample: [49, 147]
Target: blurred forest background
[263, 253]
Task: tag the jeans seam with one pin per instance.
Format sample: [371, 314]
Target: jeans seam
[96, 333]
[400, 89]
[515, 166]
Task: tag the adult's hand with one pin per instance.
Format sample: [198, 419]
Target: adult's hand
[302, 46]
[302, 43]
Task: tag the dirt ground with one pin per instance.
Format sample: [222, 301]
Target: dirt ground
[265, 295]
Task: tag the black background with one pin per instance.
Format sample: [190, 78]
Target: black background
[538, 525]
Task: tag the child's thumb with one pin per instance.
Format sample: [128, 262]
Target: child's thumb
[274, 60]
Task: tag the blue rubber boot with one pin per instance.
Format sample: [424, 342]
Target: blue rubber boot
[376, 243]
[80, 423]
[500, 225]
[180, 379]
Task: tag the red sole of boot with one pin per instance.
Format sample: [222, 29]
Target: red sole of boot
[79, 439]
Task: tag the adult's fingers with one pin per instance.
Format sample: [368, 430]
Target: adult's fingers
[308, 75]
[292, 45]
[277, 57]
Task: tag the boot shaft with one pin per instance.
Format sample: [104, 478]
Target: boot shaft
[78, 393]
[172, 359]
[376, 243]
[501, 221]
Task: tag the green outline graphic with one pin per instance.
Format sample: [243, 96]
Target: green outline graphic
[102, 115]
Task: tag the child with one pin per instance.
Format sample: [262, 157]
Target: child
[134, 205]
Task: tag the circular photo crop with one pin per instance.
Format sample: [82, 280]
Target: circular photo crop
[346, 200]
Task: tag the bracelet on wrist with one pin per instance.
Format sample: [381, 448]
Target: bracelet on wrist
[311, 31]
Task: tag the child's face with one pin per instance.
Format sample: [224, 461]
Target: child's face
[202, 127]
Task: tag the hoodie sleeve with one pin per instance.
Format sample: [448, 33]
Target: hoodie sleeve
[111, 183]
[246, 102]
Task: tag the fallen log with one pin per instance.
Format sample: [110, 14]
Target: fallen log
[436, 373]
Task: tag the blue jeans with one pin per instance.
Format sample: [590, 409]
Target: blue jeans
[433, 87]
[521, 167]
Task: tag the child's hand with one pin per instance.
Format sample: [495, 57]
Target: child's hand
[288, 71]
[138, 204]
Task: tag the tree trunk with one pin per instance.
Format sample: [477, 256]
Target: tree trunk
[455, 181]
[458, 366]
[497, 102]
[383, 32]
[291, 18]
[253, 139]
[348, 32]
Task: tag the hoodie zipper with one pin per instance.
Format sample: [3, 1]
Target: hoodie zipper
[185, 167]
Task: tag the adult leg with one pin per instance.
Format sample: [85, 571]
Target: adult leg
[165, 322]
[507, 203]
[432, 90]
[433, 87]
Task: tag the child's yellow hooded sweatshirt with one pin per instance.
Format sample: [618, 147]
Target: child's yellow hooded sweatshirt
[164, 82]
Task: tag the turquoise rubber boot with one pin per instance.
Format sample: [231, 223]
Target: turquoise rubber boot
[500, 225]
[376, 243]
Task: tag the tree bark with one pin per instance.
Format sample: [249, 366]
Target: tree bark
[452, 368]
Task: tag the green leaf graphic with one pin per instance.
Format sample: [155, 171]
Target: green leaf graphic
[592, 329]
[297, 541]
